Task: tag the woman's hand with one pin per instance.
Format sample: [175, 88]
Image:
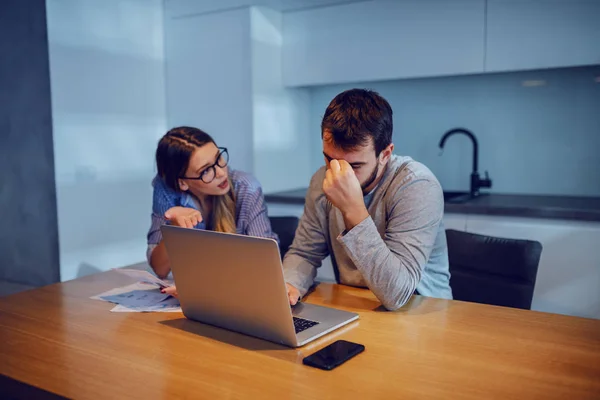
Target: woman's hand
[184, 217]
[172, 290]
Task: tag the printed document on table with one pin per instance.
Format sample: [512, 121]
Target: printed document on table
[143, 276]
[169, 305]
[137, 298]
[126, 289]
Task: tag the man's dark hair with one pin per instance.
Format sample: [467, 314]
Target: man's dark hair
[355, 116]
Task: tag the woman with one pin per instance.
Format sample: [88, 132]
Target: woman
[195, 189]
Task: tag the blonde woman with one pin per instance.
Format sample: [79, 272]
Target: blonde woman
[195, 189]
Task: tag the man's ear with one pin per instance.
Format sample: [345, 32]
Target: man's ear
[386, 154]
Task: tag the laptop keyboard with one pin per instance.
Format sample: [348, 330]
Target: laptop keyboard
[302, 324]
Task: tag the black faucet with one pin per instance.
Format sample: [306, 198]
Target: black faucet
[476, 181]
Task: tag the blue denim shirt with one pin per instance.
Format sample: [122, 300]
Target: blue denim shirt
[250, 208]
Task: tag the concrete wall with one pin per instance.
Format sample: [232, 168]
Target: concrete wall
[28, 233]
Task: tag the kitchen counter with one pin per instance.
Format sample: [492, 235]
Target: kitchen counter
[512, 205]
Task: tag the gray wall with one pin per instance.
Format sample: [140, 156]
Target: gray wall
[538, 131]
[28, 231]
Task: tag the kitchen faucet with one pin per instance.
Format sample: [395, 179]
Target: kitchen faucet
[476, 181]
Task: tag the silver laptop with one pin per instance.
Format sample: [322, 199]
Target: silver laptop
[236, 282]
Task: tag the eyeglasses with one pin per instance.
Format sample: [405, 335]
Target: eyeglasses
[209, 173]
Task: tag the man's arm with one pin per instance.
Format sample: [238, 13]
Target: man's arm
[310, 242]
[392, 266]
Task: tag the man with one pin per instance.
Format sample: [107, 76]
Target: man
[378, 215]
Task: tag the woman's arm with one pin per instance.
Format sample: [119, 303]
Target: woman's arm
[184, 217]
[159, 260]
[258, 219]
[166, 209]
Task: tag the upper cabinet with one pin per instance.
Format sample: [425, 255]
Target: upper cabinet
[536, 34]
[394, 39]
[382, 40]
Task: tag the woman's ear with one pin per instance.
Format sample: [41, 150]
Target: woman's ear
[182, 185]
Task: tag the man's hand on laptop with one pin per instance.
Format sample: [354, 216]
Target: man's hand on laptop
[293, 294]
[185, 217]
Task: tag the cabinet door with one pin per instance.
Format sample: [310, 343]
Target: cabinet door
[536, 34]
[568, 279]
[381, 40]
[455, 221]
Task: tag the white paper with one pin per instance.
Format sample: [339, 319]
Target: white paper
[125, 289]
[169, 305]
[143, 276]
[137, 298]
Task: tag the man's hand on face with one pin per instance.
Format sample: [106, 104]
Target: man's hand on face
[342, 188]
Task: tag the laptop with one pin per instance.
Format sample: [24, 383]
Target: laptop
[236, 282]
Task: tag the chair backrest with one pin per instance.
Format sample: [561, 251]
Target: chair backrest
[492, 270]
[285, 228]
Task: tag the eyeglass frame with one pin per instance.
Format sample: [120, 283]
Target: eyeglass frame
[213, 166]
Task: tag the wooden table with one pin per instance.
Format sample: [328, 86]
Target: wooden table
[55, 338]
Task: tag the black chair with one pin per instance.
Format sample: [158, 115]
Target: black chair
[492, 270]
[285, 228]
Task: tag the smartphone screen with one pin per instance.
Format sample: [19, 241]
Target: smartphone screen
[333, 355]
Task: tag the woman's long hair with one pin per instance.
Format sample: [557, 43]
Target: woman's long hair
[172, 158]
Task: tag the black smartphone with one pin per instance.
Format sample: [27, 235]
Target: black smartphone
[333, 355]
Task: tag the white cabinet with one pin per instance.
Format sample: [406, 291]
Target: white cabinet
[395, 39]
[381, 40]
[537, 34]
[568, 280]
[455, 221]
